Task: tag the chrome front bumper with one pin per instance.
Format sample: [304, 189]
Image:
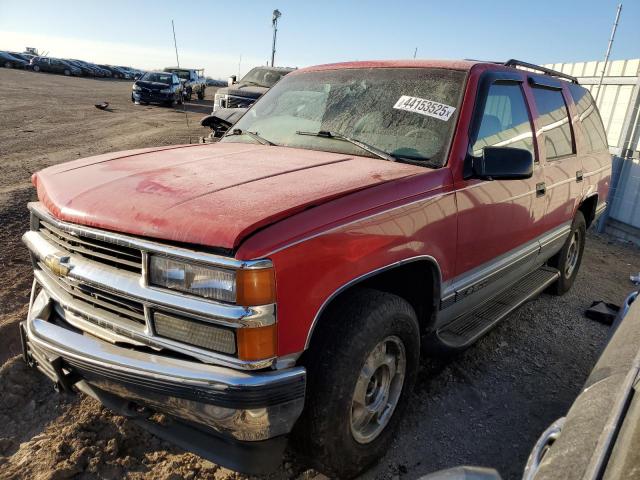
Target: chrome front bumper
[239, 406]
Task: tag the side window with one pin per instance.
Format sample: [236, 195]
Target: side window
[175, 80]
[554, 122]
[505, 120]
[595, 136]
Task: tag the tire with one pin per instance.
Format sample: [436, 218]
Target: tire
[333, 433]
[201, 94]
[188, 95]
[67, 72]
[568, 259]
[8, 65]
[36, 68]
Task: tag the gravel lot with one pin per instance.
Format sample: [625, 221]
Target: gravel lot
[484, 407]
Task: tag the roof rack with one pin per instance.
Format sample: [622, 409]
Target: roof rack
[547, 71]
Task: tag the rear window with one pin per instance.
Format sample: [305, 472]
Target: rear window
[554, 122]
[595, 136]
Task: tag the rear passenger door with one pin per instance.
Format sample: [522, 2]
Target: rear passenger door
[563, 174]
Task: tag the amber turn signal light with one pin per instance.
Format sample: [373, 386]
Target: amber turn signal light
[257, 343]
[255, 287]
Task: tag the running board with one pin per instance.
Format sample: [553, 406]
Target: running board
[467, 328]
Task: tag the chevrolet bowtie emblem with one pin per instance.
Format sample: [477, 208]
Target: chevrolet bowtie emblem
[58, 264]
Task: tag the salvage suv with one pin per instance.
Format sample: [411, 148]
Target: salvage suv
[282, 283]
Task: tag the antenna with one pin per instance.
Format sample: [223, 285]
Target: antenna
[606, 55]
[175, 44]
[184, 108]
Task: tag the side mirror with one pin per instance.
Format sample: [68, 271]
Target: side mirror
[503, 163]
[231, 80]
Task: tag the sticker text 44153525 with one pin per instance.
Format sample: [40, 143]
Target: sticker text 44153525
[425, 107]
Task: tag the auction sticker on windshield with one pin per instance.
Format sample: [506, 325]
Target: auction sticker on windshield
[425, 107]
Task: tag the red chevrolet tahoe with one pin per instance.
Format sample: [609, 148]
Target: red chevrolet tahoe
[281, 284]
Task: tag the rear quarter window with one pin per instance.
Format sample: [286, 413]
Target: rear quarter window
[594, 133]
[553, 118]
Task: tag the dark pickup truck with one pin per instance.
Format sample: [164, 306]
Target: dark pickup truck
[192, 79]
[252, 86]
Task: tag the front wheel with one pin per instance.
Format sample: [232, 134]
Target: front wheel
[201, 94]
[67, 72]
[36, 68]
[8, 65]
[568, 259]
[361, 371]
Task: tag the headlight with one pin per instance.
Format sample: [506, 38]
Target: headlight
[250, 287]
[201, 280]
[136, 88]
[165, 90]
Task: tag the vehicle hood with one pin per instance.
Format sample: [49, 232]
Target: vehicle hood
[212, 194]
[243, 90]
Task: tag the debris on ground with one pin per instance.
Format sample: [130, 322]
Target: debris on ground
[602, 312]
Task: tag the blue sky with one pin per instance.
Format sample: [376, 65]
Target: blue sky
[214, 34]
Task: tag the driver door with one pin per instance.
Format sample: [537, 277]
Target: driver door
[498, 220]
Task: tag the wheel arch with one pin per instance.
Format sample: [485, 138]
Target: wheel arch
[588, 208]
[406, 278]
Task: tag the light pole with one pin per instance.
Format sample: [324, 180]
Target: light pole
[274, 22]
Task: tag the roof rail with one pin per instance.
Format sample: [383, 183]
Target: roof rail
[547, 71]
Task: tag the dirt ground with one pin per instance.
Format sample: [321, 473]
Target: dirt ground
[485, 407]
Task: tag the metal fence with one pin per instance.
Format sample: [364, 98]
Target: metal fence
[619, 105]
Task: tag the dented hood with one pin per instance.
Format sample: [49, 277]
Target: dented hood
[213, 194]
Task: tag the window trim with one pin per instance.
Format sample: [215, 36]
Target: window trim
[487, 80]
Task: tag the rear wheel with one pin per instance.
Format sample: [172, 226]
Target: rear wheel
[201, 94]
[8, 65]
[568, 259]
[36, 68]
[67, 72]
[361, 371]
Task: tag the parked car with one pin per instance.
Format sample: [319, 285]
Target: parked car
[212, 82]
[192, 79]
[53, 65]
[85, 69]
[157, 87]
[282, 283]
[96, 70]
[22, 56]
[253, 85]
[132, 74]
[8, 60]
[116, 72]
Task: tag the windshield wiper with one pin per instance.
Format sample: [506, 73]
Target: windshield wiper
[359, 143]
[254, 135]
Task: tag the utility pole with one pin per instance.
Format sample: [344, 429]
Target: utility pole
[175, 44]
[415, 52]
[606, 55]
[274, 23]
[239, 63]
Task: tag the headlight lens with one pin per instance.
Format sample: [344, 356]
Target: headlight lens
[136, 88]
[165, 90]
[201, 280]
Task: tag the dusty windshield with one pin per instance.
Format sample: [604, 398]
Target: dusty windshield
[263, 77]
[183, 74]
[407, 112]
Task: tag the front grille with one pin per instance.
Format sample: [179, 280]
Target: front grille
[100, 299]
[239, 102]
[119, 256]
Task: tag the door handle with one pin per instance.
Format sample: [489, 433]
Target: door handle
[579, 176]
[541, 189]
